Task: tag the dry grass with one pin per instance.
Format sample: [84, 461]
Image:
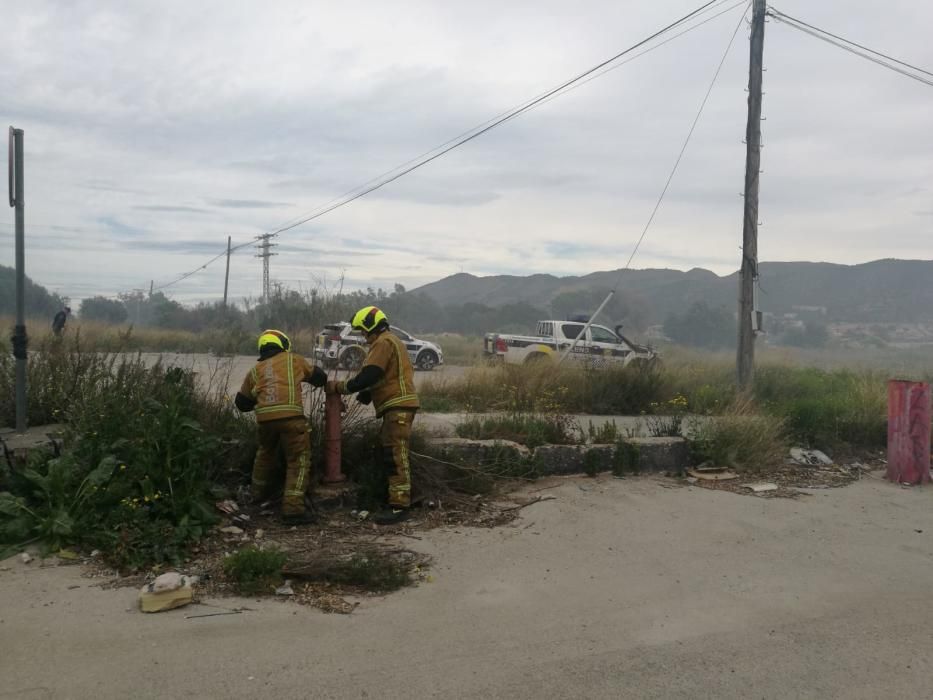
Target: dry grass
[742, 438]
[125, 337]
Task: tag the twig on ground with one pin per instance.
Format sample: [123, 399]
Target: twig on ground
[545, 488]
[229, 612]
[539, 499]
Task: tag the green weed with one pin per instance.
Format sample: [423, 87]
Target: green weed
[530, 430]
[255, 570]
[741, 438]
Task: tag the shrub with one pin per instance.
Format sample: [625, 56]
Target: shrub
[531, 430]
[255, 570]
[373, 571]
[740, 438]
[625, 458]
[144, 451]
[825, 408]
[545, 388]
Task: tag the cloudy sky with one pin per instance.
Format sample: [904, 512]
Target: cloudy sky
[155, 130]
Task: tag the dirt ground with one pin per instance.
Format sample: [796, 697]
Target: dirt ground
[634, 588]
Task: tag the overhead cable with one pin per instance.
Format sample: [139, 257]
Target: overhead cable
[881, 59]
[472, 134]
[664, 190]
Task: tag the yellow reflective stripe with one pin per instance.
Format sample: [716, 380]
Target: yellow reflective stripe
[254, 373]
[304, 462]
[289, 360]
[396, 401]
[280, 407]
[398, 354]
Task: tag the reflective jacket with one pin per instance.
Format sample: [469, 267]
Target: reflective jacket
[274, 385]
[397, 387]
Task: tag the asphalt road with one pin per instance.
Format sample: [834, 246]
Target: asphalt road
[232, 370]
[616, 589]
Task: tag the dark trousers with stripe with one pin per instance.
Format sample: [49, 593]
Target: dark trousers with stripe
[394, 439]
[293, 435]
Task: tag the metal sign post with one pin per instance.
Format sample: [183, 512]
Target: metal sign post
[15, 174]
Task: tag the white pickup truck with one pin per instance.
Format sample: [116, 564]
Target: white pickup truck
[597, 348]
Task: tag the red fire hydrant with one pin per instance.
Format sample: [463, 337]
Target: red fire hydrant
[333, 407]
[908, 432]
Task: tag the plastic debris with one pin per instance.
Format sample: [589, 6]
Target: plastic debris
[228, 506]
[169, 581]
[712, 474]
[363, 514]
[168, 591]
[761, 487]
[285, 589]
[25, 558]
[809, 458]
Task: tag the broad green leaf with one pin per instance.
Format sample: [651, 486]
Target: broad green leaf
[10, 504]
[62, 524]
[103, 471]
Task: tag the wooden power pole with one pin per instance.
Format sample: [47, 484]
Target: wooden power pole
[227, 275]
[17, 200]
[748, 275]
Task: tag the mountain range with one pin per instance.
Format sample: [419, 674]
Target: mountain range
[882, 291]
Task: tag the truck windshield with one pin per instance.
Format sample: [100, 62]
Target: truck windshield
[602, 335]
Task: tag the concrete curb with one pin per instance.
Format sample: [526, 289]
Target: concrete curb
[646, 454]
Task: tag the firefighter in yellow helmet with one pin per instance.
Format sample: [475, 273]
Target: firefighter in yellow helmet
[387, 380]
[273, 390]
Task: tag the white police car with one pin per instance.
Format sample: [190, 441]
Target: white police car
[340, 345]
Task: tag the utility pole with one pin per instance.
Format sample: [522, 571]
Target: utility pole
[17, 200]
[139, 297]
[227, 275]
[748, 275]
[265, 248]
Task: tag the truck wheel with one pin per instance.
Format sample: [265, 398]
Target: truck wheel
[426, 361]
[352, 358]
[537, 358]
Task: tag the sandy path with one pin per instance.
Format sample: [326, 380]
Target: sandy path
[618, 588]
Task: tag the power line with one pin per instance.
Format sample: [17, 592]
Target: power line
[429, 156]
[852, 47]
[667, 185]
[683, 148]
[778, 15]
[425, 158]
[302, 218]
[488, 126]
[646, 51]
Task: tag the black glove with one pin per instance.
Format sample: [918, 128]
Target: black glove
[365, 398]
[318, 378]
[244, 403]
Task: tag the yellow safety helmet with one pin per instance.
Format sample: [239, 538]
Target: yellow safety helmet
[274, 337]
[368, 319]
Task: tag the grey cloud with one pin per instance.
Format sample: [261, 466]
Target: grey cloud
[246, 204]
[168, 208]
[106, 186]
[120, 229]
